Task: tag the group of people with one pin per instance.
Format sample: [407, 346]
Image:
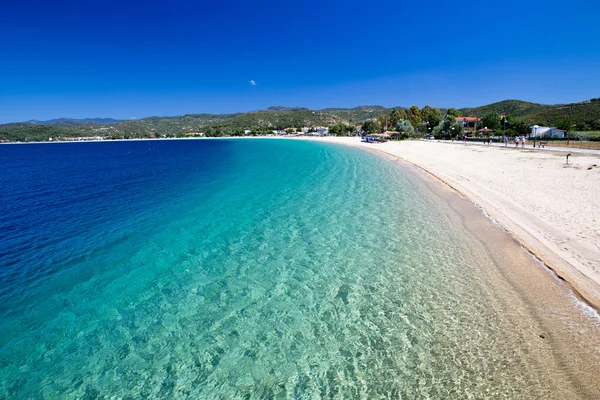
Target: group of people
[518, 140]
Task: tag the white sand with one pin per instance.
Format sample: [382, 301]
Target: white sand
[551, 208]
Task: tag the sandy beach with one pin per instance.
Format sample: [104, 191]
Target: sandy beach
[550, 207]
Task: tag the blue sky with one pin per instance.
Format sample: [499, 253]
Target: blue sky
[135, 59]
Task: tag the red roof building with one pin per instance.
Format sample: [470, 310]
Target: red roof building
[469, 122]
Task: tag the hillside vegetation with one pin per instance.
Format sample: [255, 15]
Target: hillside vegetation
[516, 108]
[212, 124]
[585, 116]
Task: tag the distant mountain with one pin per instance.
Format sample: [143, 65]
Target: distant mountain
[283, 109]
[75, 121]
[365, 108]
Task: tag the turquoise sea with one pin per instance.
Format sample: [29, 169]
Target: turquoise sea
[237, 269]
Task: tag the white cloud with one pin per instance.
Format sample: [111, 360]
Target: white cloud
[253, 82]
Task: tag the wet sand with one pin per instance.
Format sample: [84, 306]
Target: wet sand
[557, 337]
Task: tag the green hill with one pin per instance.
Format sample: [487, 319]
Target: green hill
[281, 117]
[166, 125]
[585, 115]
[516, 108]
[213, 124]
[37, 133]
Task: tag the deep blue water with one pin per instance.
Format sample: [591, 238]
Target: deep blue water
[63, 204]
[235, 269]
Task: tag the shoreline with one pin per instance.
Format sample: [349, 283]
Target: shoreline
[537, 309]
[585, 288]
[148, 139]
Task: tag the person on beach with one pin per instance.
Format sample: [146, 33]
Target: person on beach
[464, 139]
[523, 142]
[490, 141]
[505, 140]
[517, 141]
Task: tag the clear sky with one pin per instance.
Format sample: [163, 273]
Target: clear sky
[127, 59]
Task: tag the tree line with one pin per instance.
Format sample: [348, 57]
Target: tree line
[405, 122]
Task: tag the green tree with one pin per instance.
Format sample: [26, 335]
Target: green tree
[346, 129]
[404, 128]
[491, 120]
[562, 123]
[383, 122]
[413, 114]
[422, 128]
[515, 127]
[448, 128]
[367, 126]
[371, 126]
[453, 112]
[432, 116]
[396, 115]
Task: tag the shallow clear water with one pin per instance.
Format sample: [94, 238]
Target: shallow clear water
[238, 269]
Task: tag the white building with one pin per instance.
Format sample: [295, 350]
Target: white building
[322, 130]
[546, 132]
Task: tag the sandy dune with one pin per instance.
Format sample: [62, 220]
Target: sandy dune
[552, 208]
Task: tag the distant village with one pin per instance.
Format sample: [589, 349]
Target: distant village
[308, 131]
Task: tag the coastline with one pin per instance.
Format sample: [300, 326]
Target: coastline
[577, 262]
[529, 303]
[147, 139]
